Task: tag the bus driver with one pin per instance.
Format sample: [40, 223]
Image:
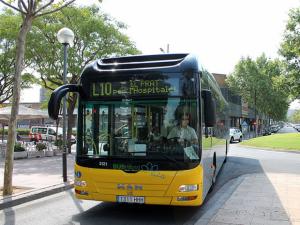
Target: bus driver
[183, 131]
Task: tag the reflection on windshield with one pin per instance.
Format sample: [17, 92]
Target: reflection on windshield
[164, 129]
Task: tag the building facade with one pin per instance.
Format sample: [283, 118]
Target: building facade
[242, 116]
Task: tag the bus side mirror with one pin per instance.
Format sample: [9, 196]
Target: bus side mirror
[209, 108]
[57, 95]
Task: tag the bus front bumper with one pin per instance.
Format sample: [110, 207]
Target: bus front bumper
[192, 199]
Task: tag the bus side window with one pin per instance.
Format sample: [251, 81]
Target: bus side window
[88, 135]
[89, 141]
[88, 119]
[104, 142]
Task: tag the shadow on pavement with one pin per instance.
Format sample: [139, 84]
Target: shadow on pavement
[9, 215]
[111, 213]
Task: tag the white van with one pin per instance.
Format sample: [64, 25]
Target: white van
[47, 133]
[235, 135]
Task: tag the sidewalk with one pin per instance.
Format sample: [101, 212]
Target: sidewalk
[256, 199]
[37, 177]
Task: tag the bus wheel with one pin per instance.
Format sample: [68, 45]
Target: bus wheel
[213, 179]
[225, 160]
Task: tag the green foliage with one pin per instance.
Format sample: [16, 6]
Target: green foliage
[289, 141]
[262, 84]
[29, 10]
[20, 131]
[40, 146]
[290, 50]
[8, 34]
[295, 118]
[96, 36]
[19, 148]
[23, 131]
[58, 142]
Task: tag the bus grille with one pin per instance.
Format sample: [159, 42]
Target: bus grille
[125, 189]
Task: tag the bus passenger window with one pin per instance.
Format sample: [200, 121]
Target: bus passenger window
[104, 142]
[88, 135]
[89, 141]
[88, 119]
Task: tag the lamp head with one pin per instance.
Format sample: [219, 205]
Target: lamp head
[66, 36]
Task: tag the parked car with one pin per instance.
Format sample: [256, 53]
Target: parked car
[274, 128]
[44, 133]
[235, 135]
[266, 131]
[297, 127]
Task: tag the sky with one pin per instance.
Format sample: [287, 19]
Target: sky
[219, 32]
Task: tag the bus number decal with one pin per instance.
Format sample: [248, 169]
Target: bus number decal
[132, 87]
[105, 89]
[103, 164]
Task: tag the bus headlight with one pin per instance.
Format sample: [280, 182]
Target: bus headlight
[188, 187]
[80, 183]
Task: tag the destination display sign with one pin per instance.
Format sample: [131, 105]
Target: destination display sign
[137, 87]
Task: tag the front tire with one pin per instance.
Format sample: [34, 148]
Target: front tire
[231, 140]
[226, 153]
[213, 179]
[241, 138]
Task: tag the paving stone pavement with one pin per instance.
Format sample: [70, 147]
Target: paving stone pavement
[258, 199]
[37, 178]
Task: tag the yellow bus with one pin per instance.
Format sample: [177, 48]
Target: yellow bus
[152, 129]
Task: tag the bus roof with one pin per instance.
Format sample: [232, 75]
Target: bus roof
[166, 62]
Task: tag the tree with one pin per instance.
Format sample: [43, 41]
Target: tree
[8, 34]
[290, 50]
[295, 117]
[260, 82]
[97, 35]
[244, 80]
[29, 10]
[274, 98]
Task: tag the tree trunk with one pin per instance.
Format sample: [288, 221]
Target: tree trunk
[20, 52]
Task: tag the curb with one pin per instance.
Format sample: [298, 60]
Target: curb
[13, 200]
[270, 149]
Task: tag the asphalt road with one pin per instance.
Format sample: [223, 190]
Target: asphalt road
[64, 209]
[287, 129]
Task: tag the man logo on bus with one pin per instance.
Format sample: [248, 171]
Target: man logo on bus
[129, 187]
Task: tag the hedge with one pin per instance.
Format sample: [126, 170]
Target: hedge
[20, 131]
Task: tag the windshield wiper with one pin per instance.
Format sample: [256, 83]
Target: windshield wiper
[165, 156]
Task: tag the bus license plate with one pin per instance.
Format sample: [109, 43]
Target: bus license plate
[131, 199]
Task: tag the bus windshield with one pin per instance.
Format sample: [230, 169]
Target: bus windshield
[164, 129]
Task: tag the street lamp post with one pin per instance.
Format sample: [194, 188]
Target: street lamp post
[65, 36]
[167, 51]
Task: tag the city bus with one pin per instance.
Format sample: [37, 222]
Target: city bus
[127, 109]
